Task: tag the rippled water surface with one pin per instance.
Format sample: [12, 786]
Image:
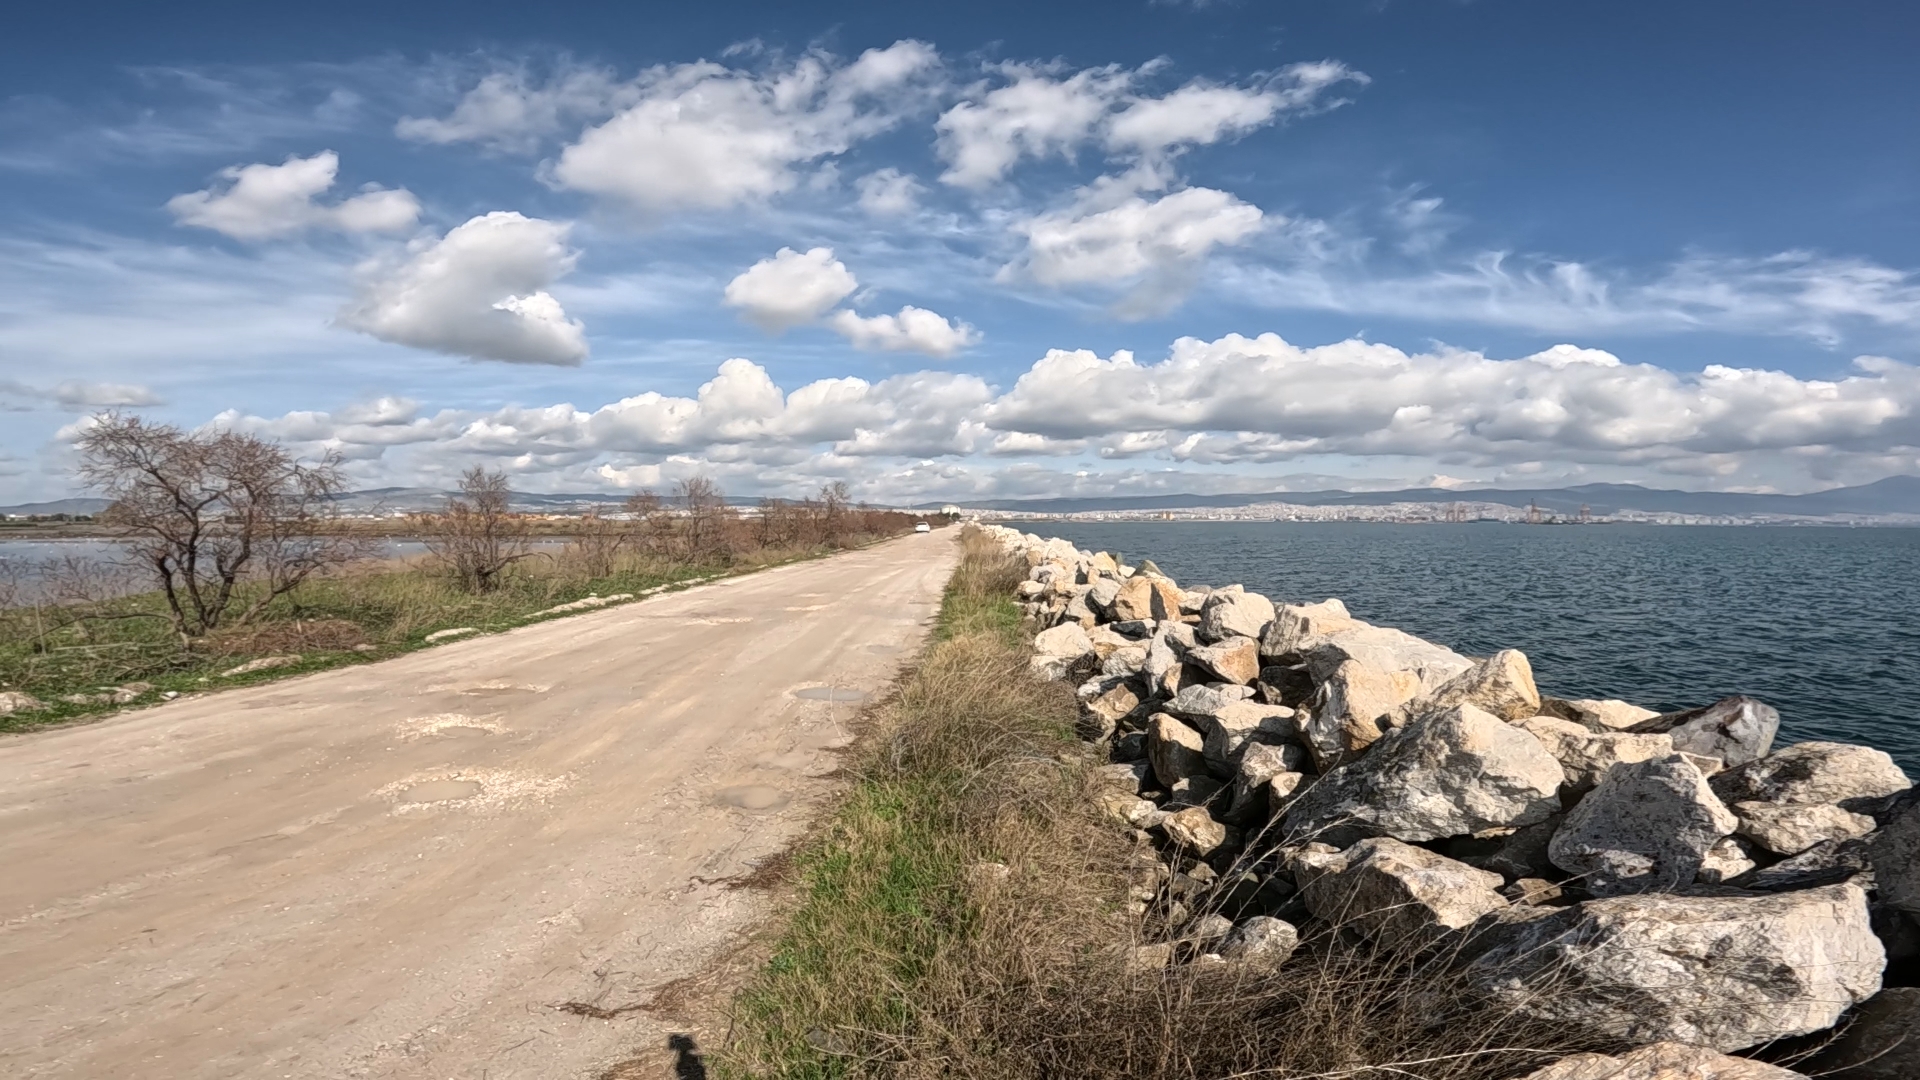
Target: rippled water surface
[1824, 624]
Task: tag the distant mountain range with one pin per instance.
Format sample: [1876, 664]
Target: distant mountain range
[1894, 495]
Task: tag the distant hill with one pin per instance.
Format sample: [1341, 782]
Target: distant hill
[58, 506]
[1894, 495]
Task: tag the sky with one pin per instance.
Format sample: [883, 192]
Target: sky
[973, 250]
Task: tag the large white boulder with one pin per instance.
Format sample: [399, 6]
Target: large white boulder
[1586, 754]
[1232, 659]
[1502, 684]
[1597, 714]
[1294, 625]
[1234, 727]
[1394, 891]
[1647, 826]
[1448, 773]
[1813, 772]
[1663, 1061]
[1176, 750]
[1720, 972]
[1234, 612]
[1058, 651]
[1791, 829]
[1348, 709]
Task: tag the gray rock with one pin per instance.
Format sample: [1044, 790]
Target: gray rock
[1259, 764]
[1101, 595]
[1233, 659]
[1261, 939]
[1175, 750]
[1207, 931]
[1204, 701]
[1521, 853]
[1586, 755]
[1234, 612]
[1881, 1043]
[1813, 772]
[1384, 888]
[1792, 829]
[1446, 774]
[1827, 863]
[1736, 730]
[1720, 972]
[1662, 1061]
[1648, 826]
[1894, 854]
[1197, 790]
[1597, 715]
[1104, 702]
[1125, 662]
[1384, 649]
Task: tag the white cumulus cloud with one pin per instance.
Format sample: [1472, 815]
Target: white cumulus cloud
[791, 288]
[480, 292]
[912, 330]
[705, 136]
[261, 202]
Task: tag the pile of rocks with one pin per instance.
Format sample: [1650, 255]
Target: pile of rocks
[1646, 878]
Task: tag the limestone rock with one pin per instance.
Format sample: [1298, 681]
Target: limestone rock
[1233, 659]
[1384, 888]
[1790, 829]
[1057, 652]
[1882, 1042]
[1724, 861]
[1146, 596]
[1597, 715]
[1261, 939]
[1662, 1061]
[1126, 662]
[1234, 612]
[1259, 764]
[1586, 755]
[1736, 730]
[1201, 702]
[1231, 730]
[1101, 712]
[1294, 624]
[1521, 853]
[15, 701]
[1720, 972]
[1193, 829]
[1175, 750]
[1207, 931]
[1347, 712]
[1813, 772]
[1649, 825]
[1101, 595]
[1384, 649]
[1145, 958]
[1446, 774]
[1502, 684]
[1132, 777]
[268, 663]
[1196, 790]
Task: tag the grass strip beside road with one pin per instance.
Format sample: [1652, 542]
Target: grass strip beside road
[368, 613]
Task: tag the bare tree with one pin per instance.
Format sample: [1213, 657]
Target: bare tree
[597, 543]
[652, 524]
[707, 525]
[478, 536]
[210, 510]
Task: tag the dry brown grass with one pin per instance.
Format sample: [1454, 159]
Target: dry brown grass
[908, 958]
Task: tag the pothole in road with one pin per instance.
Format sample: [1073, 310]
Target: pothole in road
[457, 724]
[753, 797]
[440, 791]
[830, 693]
[471, 790]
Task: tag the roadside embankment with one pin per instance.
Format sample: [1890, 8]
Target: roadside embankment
[1271, 839]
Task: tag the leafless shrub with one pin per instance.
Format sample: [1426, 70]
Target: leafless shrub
[597, 543]
[707, 522]
[478, 536]
[211, 510]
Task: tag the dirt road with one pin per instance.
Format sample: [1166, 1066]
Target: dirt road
[399, 870]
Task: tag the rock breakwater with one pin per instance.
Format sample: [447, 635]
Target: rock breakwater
[1666, 883]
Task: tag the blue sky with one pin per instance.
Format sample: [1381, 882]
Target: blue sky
[974, 249]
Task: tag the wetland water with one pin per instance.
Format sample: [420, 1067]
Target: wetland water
[1822, 623]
